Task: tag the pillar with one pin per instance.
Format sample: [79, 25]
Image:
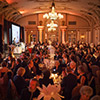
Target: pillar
[89, 36]
[78, 35]
[63, 30]
[40, 28]
[25, 36]
[99, 34]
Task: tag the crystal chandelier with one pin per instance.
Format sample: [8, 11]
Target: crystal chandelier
[52, 26]
[53, 15]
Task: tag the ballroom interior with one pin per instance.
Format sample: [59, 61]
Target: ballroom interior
[80, 21]
[49, 49]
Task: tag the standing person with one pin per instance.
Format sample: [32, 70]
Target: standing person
[73, 67]
[14, 41]
[31, 92]
[68, 83]
[46, 81]
[82, 78]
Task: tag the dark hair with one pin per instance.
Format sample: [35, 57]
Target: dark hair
[19, 61]
[39, 72]
[68, 69]
[29, 62]
[13, 59]
[9, 74]
[34, 79]
[35, 59]
[46, 74]
[4, 64]
[81, 68]
[0, 55]
[10, 55]
[73, 58]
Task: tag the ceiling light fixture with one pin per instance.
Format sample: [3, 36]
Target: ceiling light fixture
[53, 15]
[52, 26]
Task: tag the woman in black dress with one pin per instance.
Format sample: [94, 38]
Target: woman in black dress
[82, 78]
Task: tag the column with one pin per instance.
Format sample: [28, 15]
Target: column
[40, 28]
[25, 36]
[89, 36]
[99, 33]
[63, 30]
[78, 35]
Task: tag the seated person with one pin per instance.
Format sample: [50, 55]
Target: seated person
[31, 92]
[85, 93]
[19, 81]
[57, 68]
[3, 69]
[96, 97]
[46, 81]
[29, 71]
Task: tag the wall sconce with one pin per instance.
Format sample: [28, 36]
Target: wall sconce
[40, 23]
[63, 23]
[82, 36]
[96, 36]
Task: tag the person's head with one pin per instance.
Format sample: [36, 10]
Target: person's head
[57, 63]
[98, 74]
[14, 39]
[72, 65]
[86, 92]
[36, 60]
[33, 85]
[72, 57]
[10, 56]
[96, 97]
[20, 71]
[46, 74]
[13, 60]
[81, 69]
[68, 70]
[63, 55]
[0, 55]
[88, 57]
[4, 64]
[18, 61]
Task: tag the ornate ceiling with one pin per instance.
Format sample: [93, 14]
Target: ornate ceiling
[16, 9]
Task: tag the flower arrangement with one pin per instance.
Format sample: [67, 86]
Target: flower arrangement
[50, 92]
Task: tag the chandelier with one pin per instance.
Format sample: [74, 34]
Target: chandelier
[53, 15]
[52, 26]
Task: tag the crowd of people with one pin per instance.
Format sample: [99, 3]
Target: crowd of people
[77, 63]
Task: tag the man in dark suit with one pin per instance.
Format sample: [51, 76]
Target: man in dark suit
[29, 70]
[56, 57]
[19, 81]
[31, 92]
[18, 65]
[68, 83]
